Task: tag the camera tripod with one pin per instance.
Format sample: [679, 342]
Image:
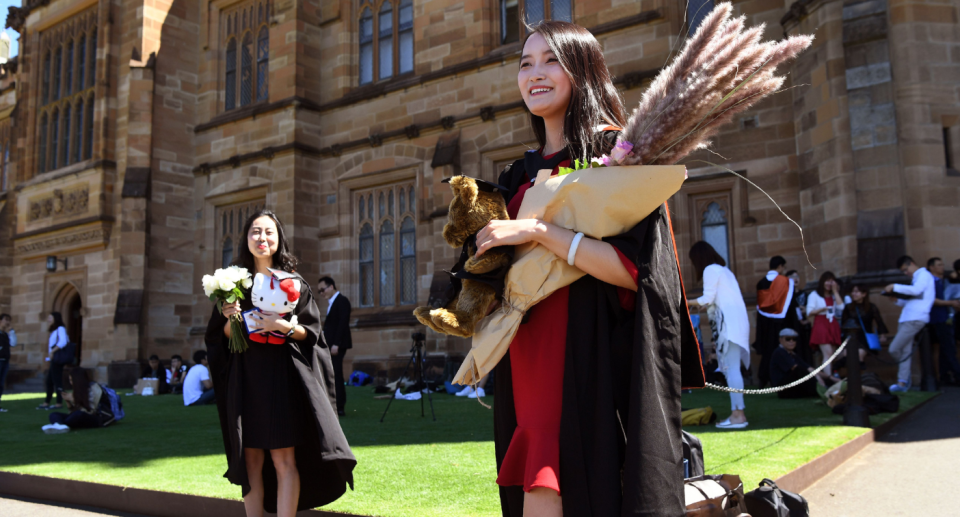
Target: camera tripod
[416, 358]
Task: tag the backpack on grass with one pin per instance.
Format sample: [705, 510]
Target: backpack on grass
[769, 500]
[110, 408]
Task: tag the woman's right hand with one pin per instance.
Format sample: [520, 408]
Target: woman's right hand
[229, 309]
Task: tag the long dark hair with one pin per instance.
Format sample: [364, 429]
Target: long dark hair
[827, 275]
[81, 387]
[594, 101]
[702, 255]
[282, 259]
[57, 322]
[866, 294]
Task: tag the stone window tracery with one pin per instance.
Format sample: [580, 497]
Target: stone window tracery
[246, 37]
[386, 39]
[65, 127]
[229, 221]
[386, 262]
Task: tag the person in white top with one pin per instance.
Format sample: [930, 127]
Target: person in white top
[920, 295]
[729, 321]
[54, 380]
[197, 385]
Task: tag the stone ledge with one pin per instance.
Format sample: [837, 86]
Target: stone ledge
[123, 499]
[804, 476]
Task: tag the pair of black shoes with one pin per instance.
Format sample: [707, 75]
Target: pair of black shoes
[341, 412]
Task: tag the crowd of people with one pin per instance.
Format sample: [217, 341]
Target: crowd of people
[796, 329]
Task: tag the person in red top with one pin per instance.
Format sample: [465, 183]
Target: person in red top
[592, 379]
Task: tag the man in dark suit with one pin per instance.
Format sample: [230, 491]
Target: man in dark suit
[336, 332]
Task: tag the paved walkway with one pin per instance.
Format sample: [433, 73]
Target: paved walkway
[912, 471]
[29, 508]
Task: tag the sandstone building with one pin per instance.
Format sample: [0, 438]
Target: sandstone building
[136, 135]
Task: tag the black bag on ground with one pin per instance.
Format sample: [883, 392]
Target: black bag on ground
[888, 403]
[693, 453]
[873, 380]
[771, 501]
[66, 354]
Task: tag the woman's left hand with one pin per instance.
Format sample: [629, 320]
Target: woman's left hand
[265, 322]
[506, 233]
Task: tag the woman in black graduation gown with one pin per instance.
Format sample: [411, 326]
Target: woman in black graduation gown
[278, 398]
[628, 344]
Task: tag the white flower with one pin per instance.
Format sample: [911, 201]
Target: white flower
[226, 284]
[210, 285]
[247, 282]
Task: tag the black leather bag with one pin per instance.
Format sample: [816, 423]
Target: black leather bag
[65, 355]
[769, 500]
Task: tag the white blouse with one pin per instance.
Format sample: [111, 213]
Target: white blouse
[720, 287]
[58, 339]
[815, 301]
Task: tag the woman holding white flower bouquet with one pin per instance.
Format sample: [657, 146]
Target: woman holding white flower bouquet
[274, 393]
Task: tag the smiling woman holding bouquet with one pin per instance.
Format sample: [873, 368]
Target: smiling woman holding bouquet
[280, 429]
[587, 420]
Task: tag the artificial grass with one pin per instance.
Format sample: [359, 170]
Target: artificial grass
[407, 467]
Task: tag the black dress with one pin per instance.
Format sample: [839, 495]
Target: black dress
[277, 396]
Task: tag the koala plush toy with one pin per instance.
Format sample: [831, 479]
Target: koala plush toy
[476, 281]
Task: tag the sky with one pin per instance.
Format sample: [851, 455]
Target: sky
[14, 35]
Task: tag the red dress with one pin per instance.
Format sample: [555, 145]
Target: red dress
[825, 332]
[537, 359]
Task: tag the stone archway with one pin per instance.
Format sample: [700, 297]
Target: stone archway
[69, 304]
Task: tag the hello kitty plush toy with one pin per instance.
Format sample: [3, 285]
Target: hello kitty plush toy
[275, 294]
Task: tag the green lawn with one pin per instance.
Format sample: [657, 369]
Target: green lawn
[408, 466]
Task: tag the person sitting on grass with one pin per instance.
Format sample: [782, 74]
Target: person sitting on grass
[155, 370]
[176, 374]
[787, 367]
[197, 386]
[82, 402]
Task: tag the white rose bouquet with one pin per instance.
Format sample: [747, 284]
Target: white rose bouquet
[225, 286]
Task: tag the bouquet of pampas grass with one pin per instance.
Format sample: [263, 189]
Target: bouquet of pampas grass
[722, 70]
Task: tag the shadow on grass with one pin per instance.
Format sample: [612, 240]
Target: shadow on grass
[162, 428]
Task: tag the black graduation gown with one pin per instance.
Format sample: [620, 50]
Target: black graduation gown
[620, 444]
[324, 459]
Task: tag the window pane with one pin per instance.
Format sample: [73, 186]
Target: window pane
[366, 284]
[93, 57]
[88, 131]
[370, 206]
[406, 51]
[387, 272]
[65, 145]
[366, 47]
[45, 90]
[697, 10]
[227, 255]
[363, 208]
[78, 134]
[413, 201]
[390, 203]
[561, 10]
[509, 21]
[385, 33]
[231, 77]
[534, 11]
[246, 71]
[403, 201]
[42, 158]
[383, 206]
[366, 244]
[81, 63]
[54, 139]
[713, 226]
[406, 36]
[68, 71]
[366, 63]
[408, 281]
[408, 240]
[57, 65]
[263, 62]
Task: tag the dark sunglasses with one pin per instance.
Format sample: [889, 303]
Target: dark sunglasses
[789, 338]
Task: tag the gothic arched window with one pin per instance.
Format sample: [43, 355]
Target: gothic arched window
[713, 227]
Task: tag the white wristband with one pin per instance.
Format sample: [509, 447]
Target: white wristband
[573, 247]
